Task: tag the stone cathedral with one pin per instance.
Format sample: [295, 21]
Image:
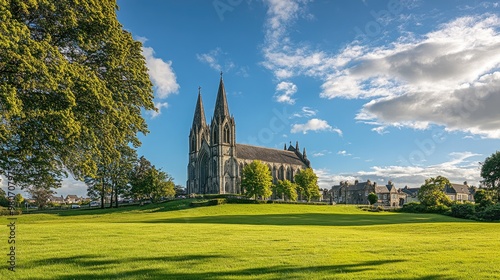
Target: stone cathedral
[216, 161]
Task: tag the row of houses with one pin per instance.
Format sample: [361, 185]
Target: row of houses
[70, 199]
[388, 195]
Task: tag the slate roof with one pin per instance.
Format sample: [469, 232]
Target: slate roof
[381, 189]
[457, 188]
[410, 191]
[267, 154]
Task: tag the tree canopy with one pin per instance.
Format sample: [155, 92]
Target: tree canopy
[150, 183]
[73, 83]
[307, 183]
[431, 193]
[287, 189]
[490, 171]
[257, 180]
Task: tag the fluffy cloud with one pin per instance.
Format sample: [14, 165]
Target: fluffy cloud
[314, 125]
[158, 106]
[161, 73]
[284, 92]
[449, 77]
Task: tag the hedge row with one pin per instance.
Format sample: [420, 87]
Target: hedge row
[458, 210]
[210, 202]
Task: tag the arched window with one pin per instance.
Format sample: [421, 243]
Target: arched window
[226, 134]
[281, 173]
[214, 138]
[193, 144]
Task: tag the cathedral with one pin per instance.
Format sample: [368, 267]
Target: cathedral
[216, 161]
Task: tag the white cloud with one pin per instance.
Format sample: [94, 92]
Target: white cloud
[161, 73]
[158, 106]
[448, 77]
[284, 92]
[314, 125]
[319, 154]
[219, 61]
[305, 112]
[343, 153]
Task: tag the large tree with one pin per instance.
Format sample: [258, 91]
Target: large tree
[286, 189]
[490, 171]
[431, 193]
[148, 182]
[73, 83]
[307, 183]
[257, 180]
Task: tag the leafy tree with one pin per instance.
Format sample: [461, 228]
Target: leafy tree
[257, 180]
[4, 201]
[372, 198]
[18, 198]
[484, 197]
[72, 87]
[147, 182]
[431, 193]
[307, 183]
[40, 194]
[490, 171]
[287, 189]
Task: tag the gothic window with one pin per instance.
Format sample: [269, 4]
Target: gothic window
[215, 135]
[193, 144]
[226, 134]
[281, 173]
[288, 174]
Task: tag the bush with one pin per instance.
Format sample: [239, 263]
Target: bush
[413, 207]
[210, 202]
[490, 213]
[296, 202]
[4, 211]
[464, 211]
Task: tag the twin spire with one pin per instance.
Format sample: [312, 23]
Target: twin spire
[221, 108]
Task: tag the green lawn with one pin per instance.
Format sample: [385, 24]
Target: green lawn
[172, 241]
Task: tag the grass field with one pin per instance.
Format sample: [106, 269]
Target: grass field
[172, 241]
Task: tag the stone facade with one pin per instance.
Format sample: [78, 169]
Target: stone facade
[357, 193]
[216, 161]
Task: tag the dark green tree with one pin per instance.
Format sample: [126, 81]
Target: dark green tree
[73, 83]
[490, 171]
[148, 182]
[484, 197]
[257, 180]
[432, 194]
[286, 189]
[372, 198]
[307, 183]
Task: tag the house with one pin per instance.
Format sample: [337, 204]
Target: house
[411, 194]
[70, 198]
[56, 199]
[357, 193]
[459, 192]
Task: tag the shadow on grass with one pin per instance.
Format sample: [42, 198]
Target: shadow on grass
[165, 206]
[311, 219]
[94, 267]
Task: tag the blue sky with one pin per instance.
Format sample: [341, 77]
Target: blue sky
[379, 90]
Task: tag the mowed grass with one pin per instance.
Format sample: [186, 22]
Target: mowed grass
[172, 241]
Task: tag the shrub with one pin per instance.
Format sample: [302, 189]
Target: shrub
[464, 211]
[4, 211]
[413, 207]
[490, 213]
[210, 202]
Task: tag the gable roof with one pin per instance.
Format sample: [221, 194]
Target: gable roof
[267, 154]
[457, 188]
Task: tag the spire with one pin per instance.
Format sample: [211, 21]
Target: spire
[297, 145]
[199, 112]
[221, 108]
[285, 146]
[304, 153]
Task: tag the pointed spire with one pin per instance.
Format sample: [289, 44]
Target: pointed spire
[199, 112]
[285, 146]
[221, 108]
[304, 153]
[297, 146]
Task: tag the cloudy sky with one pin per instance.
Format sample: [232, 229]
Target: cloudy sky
[379, 90]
